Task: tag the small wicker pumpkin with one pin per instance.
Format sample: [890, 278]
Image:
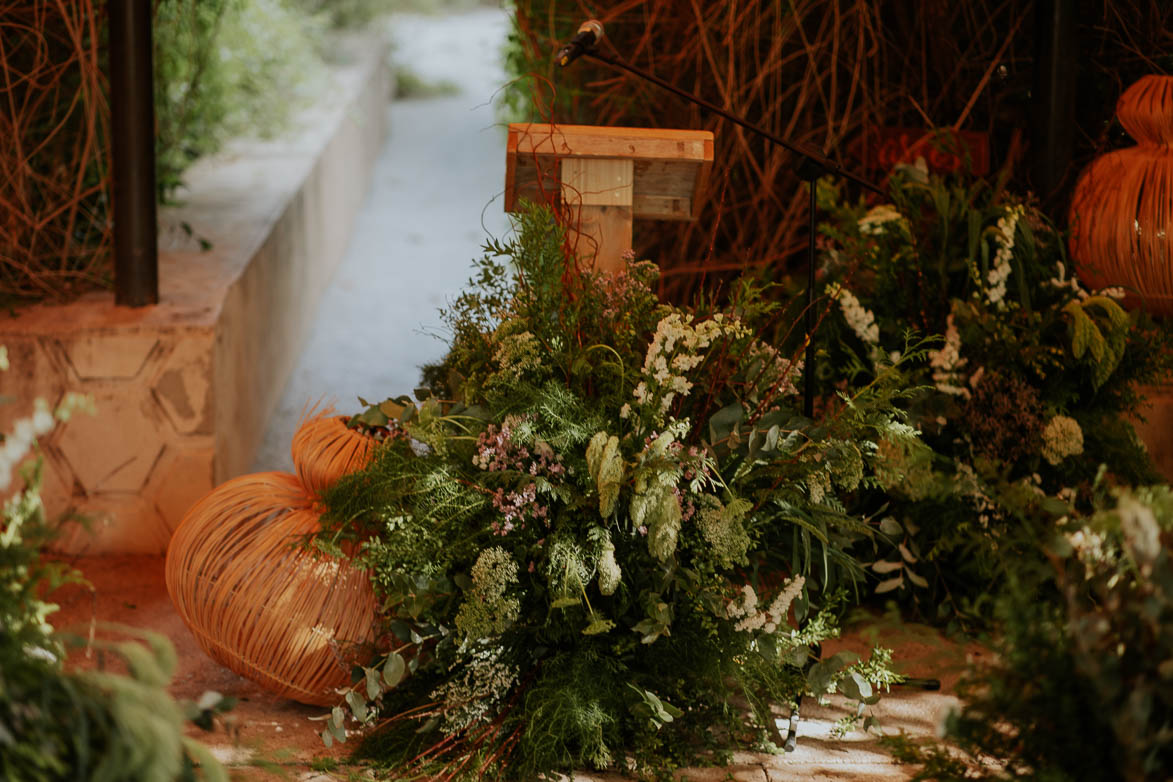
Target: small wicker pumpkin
[325, 448]
[1122, 209]
[258, 602]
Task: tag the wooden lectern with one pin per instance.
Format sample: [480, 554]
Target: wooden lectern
[607, 177]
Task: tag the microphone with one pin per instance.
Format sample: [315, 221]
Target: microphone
[589, 34]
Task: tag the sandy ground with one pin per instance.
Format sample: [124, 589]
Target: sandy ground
[266, 737]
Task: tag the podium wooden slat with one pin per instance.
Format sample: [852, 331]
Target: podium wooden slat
[669, 169]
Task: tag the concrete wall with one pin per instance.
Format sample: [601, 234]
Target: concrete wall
[184, 389]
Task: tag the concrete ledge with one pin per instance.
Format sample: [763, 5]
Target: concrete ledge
[184, 389]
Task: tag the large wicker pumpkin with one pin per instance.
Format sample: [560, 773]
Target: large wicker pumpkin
[324, 449]
[1122, 208]
[259, 603]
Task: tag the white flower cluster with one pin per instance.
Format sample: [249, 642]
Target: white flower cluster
[859, 318]
[773, 617]
[468, 700]
[1062, 282]
[774, 367]
[1004, 239]
[947, 363]
[25, 431]
[1090, 546]
[878, 217]
[1062, 437]
[1142, 533]
[677, 348]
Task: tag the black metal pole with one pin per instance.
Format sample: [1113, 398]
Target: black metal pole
[1056, 79]
[808, 369]
[811, 165]
[132, 127]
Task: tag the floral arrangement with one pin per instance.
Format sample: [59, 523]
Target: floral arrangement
[604, 535]
[1080, 687]
[1025, 395]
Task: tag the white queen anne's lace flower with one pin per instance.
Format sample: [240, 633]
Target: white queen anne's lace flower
[1062, 437]
[877, 219]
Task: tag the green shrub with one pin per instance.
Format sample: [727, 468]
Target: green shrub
[226, 68]
[1082, 689]
[57, 724]
[603, 529]
[1030, 390]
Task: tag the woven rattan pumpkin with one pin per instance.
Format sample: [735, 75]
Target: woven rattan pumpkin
[324, 449]
[257, 602]
[1122, 208]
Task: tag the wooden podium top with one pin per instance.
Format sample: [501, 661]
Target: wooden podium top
[670, 167]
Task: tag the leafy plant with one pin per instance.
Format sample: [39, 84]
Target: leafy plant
[607, 523]
[1027, 393]
[226, 68]
[1081, 688]
[58, 724]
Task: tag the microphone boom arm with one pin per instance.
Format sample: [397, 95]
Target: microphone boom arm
[810, 157]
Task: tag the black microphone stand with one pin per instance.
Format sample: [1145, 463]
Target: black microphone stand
[811, 165]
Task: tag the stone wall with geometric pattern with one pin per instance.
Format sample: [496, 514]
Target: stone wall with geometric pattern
[183, 389]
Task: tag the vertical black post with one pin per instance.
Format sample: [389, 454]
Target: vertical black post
[809, 173]
[132, 127]
[1055, 82]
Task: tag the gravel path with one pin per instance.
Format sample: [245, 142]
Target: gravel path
[435, 197]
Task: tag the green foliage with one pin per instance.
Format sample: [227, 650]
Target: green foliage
[56, 724]
[1082, 688]
[1027, 393]
[345, 14]
[599, 511]
[225, 68]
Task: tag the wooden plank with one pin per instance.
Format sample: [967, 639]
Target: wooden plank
[652, 207]
[603, 235]
[670, 167]
[597, 182]
[598, 194]
[609, 142]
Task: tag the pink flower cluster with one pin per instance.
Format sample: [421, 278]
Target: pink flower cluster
[496, 452]
[517, 507]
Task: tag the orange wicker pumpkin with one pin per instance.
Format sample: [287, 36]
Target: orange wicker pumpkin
[324, 449]
[259, 603]
[1122, 209]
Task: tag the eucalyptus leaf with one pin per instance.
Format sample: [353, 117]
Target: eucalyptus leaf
[374, 683]
[358, 707]
[393, 670]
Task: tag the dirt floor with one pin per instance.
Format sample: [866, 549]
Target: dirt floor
[266, 737]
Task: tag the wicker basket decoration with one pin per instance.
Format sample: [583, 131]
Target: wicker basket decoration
[1122, 209]
[259, 603]
[325, 448]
